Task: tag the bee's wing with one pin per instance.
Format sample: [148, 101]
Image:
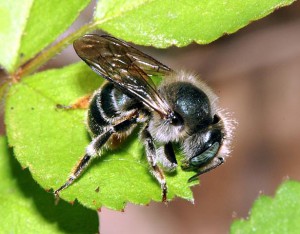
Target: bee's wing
[126, 67]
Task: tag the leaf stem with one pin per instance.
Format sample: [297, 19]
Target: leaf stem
[44, 56]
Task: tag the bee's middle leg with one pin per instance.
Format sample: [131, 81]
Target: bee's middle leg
[151, 157]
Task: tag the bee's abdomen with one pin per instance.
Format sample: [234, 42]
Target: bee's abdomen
[95, 119]
[106, 106]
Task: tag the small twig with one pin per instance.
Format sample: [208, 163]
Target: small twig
[44, 56]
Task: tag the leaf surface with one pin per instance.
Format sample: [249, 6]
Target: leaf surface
[28, 26]
[30, 209]
[163, 23]
[280, 214]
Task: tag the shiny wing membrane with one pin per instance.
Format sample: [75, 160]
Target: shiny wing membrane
[127, 68]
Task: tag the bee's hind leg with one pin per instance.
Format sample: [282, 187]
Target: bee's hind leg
[94, 148]
[91, 152]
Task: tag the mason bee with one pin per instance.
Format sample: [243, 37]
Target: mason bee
[182, 110]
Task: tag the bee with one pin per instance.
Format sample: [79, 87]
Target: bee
[181, 110]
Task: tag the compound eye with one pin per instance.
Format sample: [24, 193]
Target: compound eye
[206, 156]
[175, 118]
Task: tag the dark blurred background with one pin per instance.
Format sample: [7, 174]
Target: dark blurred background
[256, 74]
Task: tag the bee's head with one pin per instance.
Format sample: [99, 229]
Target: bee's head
[201, 148]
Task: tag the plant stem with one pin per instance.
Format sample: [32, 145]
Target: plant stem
[46, 55]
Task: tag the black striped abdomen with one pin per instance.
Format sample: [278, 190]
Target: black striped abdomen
[106, 106]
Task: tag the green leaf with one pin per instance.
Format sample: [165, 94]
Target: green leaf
[28, 26]
[30, 209]
[163, 23]
[50, 142]
[278, 215]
